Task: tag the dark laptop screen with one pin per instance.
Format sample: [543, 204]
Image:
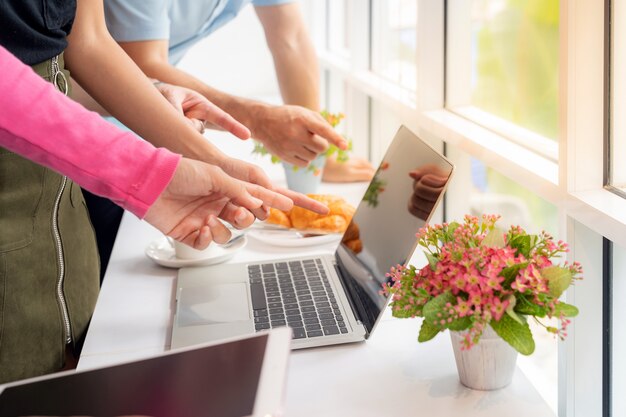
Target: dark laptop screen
[399, 201]
[215, 381]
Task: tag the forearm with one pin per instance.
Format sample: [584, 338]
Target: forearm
[297, 71]
[240, 108]
[293, 52]
[113, 80]
[46, 127]
[80, 96]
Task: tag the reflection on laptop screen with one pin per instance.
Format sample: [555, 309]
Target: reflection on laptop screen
[398, 202]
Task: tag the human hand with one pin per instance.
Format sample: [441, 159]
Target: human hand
[200, 112]
[198, 194]
[295, 134]
[428, 183]
[352, 170]
[251, 173]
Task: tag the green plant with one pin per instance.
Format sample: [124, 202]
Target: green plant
[342, 155]
[478, 275]
[376, 187]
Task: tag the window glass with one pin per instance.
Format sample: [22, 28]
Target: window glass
[476, 189]
[339, 13]
[503, 64]
[618, 332]
[394, 39]
[384, 124]
[618, 105]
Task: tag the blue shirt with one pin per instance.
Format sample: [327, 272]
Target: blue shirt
[183, 22]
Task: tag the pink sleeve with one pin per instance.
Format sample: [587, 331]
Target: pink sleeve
[43, 125]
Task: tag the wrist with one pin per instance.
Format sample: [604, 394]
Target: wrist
[257, 114]
[246, 111]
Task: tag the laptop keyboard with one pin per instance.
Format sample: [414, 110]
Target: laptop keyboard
[295, 294]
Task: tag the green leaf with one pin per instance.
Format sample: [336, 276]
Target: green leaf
[515, 334]
[494, 239]
[435, 311]
[567, 310]
[427, 332]
[462, 323]
[522, 243]
[510, 272]
[402, 313]
[524, 306]
[432, 260]
[514, 316]
[558, 279]
[448, 235]
[510, 309]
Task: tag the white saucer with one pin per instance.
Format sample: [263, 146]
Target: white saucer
[162, 252]
[291, 239]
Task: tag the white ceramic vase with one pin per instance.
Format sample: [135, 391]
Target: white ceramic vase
[303, 180]
[488, 365]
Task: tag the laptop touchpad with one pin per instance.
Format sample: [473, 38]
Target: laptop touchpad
[211, 304]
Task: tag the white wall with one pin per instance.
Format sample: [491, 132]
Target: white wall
[235, 58]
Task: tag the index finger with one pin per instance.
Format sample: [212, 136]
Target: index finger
[221, 119]
[303, 201]
[270, 198]
[323, 129]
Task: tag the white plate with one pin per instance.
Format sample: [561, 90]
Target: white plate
[162, 252]
[291, 239]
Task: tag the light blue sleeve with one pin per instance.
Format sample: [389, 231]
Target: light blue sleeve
[137, 20]
[271, 2]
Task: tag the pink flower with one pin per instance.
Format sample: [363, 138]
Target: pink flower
[481, 278]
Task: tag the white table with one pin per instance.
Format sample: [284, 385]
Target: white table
[389, 375]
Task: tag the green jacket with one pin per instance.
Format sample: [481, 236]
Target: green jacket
[49, 267]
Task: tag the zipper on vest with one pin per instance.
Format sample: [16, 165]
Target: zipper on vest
[58, 75]
[61, 262]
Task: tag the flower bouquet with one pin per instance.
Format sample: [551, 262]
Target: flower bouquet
[480, 279]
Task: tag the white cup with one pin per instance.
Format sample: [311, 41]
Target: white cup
[187, 252]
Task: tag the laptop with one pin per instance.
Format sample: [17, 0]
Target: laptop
[328, 299]
[234, 378]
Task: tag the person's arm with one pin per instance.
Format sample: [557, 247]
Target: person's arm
[102, 68]
[107, 74]
[41, 124]
[295, 134]
[297, 70]
[180, 197]
[295, 60]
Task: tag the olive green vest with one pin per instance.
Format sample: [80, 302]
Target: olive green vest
[49, 267]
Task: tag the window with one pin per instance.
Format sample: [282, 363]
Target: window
[339, 13]
[503, 64]
[514, 91]
[394, 40]
[384, 126]
[618, 331]
[618, 105]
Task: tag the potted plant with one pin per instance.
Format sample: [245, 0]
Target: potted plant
[307, 180]
[484, 285]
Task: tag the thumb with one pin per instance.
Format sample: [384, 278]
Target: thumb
[173, 99]
[197, 125]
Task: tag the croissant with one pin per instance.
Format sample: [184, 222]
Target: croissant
[336, 221]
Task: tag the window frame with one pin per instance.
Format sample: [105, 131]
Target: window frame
[574, 179]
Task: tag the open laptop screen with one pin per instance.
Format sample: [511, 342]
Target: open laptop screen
[399, 201]
[217, 381]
